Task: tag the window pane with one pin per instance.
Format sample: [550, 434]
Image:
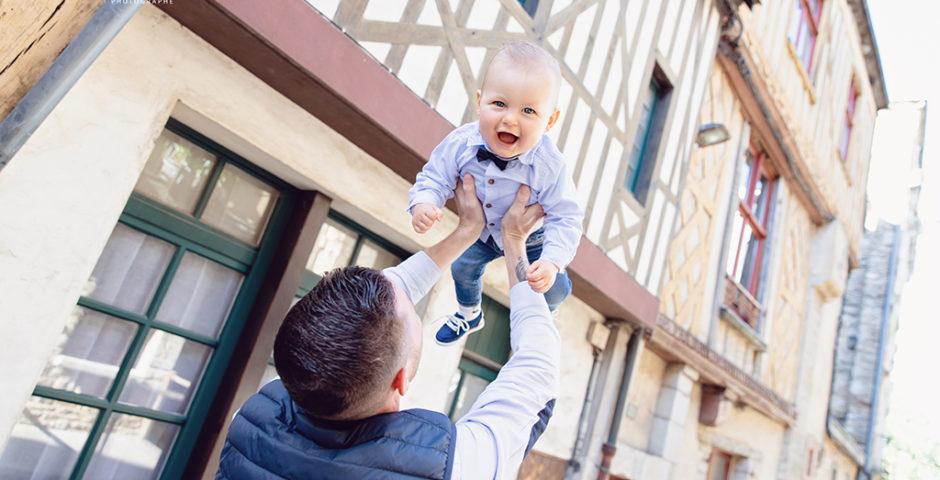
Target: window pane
[131, 447]
[46, 440]
[760, 199]
[176, 173]
[334, 248]
[736, 256]
[747, 268]
[129, 269]
[200, 295]
[472, 387]
[166, 373]
[240, 205]
[744, 181]
[89, 353]
[373, 256]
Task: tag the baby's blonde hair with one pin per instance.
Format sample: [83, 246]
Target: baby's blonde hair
[526, 52]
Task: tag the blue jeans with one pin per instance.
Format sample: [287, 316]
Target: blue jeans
[468, 271]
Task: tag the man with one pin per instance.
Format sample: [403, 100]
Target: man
[348, 351]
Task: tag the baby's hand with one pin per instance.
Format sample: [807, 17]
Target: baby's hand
[423, 215]
[541, 275]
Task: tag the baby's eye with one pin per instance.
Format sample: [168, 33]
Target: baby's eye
[528, 110]
[499, 103]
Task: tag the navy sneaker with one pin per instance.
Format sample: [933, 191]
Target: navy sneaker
[456, 327]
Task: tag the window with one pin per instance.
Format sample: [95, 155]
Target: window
[804, 28]
[719, 466]
[341, 243]
[649, 128]
[484, 354]
[847, 122]
[530, 6]
[755, 193]
[126, 390]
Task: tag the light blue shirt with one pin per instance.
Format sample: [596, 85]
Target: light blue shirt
[492, 437]
[542, 168]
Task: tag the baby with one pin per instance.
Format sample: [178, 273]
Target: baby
[505, 149]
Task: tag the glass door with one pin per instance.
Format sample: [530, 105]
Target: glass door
[127, 387]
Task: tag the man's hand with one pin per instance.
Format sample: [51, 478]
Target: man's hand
[469, 210]
[423, 215]
[518, 222]
[469, 225]
[541, 275]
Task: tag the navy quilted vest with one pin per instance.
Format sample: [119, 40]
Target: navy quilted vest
[271, 438]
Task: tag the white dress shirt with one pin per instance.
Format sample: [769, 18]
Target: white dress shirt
[493, 435]
[542, 168]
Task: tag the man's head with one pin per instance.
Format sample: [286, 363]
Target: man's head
[350, 347]
[517, 102]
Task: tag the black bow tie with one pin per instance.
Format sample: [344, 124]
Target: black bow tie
[484, 154]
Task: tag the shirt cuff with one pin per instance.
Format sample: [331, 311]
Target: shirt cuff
[426, 196]
[555, 254]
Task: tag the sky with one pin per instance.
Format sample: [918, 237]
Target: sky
[907, 32]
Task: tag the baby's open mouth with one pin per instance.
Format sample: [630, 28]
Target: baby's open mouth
[507, 137]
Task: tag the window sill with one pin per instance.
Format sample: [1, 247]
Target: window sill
[742, 327]
[807, 84]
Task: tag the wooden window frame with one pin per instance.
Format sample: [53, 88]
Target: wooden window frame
[811, 20]
[638, 182]
[747, 304]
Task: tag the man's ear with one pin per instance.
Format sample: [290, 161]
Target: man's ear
[552, 120]
[401, 383]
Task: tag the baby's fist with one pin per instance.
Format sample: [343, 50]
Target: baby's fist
[541, 275]
[423, 215]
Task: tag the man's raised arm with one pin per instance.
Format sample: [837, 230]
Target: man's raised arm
[417, 274]
[508, 417]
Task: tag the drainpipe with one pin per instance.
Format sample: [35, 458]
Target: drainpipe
[80, 53]
[609, 448]
[865, 474]
[574, 464]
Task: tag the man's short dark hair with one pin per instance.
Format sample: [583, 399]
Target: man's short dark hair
[341, 345]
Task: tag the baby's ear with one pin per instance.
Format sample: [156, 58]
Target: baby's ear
[479, 94]
[552, 120]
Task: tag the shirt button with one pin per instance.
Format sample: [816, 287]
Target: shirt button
[490, 181]
[488, 205]
[492, 224]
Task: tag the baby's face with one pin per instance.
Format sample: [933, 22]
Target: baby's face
[516, 106]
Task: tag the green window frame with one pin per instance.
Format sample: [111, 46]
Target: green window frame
[484, 354]
[642, 157]
[186, 233]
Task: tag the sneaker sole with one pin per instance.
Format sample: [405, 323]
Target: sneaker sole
[447, 344]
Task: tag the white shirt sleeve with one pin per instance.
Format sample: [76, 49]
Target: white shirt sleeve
[416, 275]
[492, 437]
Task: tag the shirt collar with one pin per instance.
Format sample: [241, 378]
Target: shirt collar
[476, 140]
